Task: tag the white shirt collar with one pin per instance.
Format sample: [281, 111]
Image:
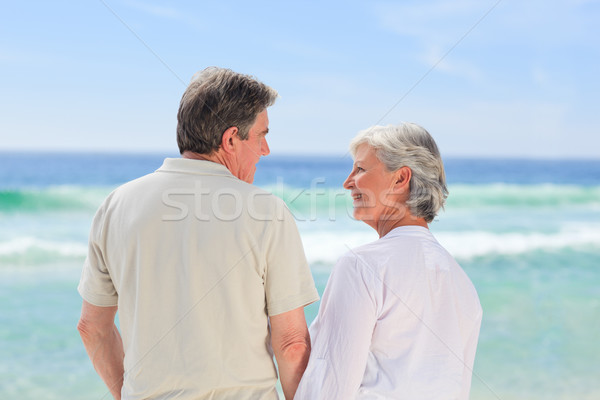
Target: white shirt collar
[408, 229]
[190, 166]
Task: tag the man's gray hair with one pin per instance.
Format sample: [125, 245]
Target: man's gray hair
[409, 145]
[215, 100]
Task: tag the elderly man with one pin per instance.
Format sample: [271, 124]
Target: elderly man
[206, 270]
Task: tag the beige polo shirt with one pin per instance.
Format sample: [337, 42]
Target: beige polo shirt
[196, 260]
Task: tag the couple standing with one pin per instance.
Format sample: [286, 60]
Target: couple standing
[210, 280]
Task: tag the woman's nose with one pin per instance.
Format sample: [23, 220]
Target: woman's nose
[349, 182]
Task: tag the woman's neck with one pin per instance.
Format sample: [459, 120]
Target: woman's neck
[386, 226]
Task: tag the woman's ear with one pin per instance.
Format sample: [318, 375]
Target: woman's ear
[227, 141]
[402, 177]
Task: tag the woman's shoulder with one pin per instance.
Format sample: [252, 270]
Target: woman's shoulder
[395, 253]
[394, 243]
[366, 259]
[366, 250]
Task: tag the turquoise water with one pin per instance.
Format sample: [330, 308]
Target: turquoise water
[526, 232]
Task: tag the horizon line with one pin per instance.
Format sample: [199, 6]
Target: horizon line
[157, 152]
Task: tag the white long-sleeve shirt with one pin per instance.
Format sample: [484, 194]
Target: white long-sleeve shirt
[399, 319]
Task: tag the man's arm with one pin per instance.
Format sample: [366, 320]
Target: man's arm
[291, 344]
[103, 344]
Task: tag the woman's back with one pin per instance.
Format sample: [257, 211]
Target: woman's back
[399, 319]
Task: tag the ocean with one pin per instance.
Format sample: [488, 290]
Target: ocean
[527, 232]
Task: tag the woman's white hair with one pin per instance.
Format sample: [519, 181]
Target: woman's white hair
[409, 145]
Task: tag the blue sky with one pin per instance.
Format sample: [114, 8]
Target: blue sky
[486, 78]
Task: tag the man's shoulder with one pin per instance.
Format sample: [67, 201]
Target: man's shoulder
[130, 189]
[133, 185]
[261, 202]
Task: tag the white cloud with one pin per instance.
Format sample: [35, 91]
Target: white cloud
[507, 128]
[301, 49]
[436, 56]
[437, 27]
[540, 76]
[440, 22]
[540, 23]
[534, 22]
[157, 10]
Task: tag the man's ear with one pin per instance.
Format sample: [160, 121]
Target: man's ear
[402, 177]
[228, 142]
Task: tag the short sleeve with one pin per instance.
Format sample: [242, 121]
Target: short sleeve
[288, 281]
[341, 334]
[96, 286]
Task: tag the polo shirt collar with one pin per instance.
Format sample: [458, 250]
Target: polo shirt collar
[198, 167]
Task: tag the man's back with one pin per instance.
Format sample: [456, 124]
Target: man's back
[196, 259]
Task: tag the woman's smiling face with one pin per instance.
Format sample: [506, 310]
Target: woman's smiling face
[371, 186]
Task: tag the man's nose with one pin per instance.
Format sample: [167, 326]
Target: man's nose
[264, 148]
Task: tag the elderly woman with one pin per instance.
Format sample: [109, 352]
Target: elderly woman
[399, 318]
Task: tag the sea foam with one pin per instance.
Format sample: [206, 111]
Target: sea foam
[327, 247]
[31, 251]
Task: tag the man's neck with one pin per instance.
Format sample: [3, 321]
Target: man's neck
[215, 156]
